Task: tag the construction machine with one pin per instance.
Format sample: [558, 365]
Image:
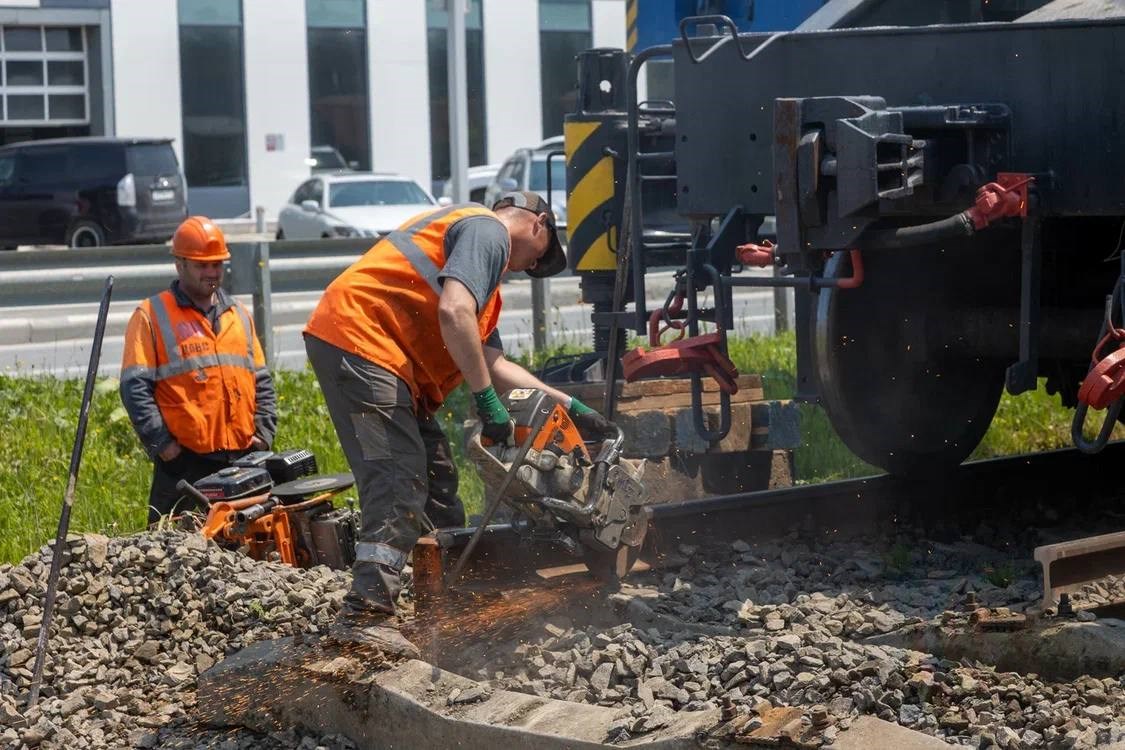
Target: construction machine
[271, 504]
[560, 488]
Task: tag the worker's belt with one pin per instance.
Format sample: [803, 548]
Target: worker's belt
[382, 554]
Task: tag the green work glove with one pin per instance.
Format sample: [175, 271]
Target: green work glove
[589, 423]
[496, 422]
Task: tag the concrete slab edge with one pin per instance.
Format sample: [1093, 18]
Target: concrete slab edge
[277, 684]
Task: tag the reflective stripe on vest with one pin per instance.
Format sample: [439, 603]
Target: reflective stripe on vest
[403, 240]
[176, 364]
[384, 307]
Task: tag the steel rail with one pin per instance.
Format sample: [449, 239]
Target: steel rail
[974, 491]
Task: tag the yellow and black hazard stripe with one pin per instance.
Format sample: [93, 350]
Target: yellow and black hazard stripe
[593, 208]
[631, 25]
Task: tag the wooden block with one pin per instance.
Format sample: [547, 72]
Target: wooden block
[740, 435]
[593, 393]
[681, 400]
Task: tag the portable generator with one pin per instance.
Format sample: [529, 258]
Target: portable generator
[271, 503]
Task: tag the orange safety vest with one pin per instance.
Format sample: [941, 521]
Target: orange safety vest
[205, 382]
[384, 308]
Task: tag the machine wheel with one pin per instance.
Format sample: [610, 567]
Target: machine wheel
[898, 400]
[85, 234]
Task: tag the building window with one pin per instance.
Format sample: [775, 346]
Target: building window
[212, 92]
[564, 31]
[437, 25]
[43, 76]
[338, 104]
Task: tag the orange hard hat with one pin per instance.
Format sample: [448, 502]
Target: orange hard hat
[199, 239]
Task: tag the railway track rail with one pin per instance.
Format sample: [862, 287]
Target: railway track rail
[973, 493]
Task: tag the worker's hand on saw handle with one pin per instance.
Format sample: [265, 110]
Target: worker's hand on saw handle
[496, 422]
[590, 423]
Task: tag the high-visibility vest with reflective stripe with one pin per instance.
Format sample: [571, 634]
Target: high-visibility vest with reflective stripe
[384, 308]
[205, 382]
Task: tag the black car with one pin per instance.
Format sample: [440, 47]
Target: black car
[86, 192]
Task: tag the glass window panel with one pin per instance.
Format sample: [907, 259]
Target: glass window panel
[375, 193]
[23, 39]
[45, 165]
[24, 72]
[335, 14]
[538, 180]
[439, 99]
[25, 107]
[104, 163]
[7, 166]
[558, 71]
[564, 15]
[63, 40]
[214, 113]
[211, 12]
[66, 73]
[152, 159]
[437, 17]
[67, 106]
[338, 101]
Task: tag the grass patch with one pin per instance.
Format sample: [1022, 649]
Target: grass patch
[40, 417]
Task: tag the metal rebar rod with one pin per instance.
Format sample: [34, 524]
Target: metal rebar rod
[68, 498]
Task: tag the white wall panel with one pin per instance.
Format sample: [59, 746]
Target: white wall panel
[609, 23]
[399, 88]
[146, 70]
[277, 99]
[513, 104]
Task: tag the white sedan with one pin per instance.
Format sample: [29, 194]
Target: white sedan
[355, 204]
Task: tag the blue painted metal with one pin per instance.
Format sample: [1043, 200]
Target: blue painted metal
[658, 20]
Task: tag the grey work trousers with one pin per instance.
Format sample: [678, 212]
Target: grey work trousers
[401, 461]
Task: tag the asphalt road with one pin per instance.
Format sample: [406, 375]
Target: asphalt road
[55, 339]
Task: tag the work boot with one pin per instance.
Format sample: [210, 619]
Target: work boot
[372, 629]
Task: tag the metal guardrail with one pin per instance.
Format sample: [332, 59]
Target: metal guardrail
[258, 269]
[38, 277]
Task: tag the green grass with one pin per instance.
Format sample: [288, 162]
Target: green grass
[39, 417]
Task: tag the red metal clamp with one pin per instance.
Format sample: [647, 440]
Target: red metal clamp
[696, 354]
[1005, 197]
[664, 314]
[759, 256]
[1105, 383]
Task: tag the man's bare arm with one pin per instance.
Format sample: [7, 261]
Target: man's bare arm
[457, 315]
[507, 375]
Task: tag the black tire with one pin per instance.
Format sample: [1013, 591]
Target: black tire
[85, 234]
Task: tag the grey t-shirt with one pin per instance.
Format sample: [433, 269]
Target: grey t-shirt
[476, 252]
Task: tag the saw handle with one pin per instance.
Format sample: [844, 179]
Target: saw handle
[186, 488]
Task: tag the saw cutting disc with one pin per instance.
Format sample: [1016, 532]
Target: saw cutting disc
[313, 485]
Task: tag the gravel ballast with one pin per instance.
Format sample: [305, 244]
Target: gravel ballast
[742, 627]
[137, 619]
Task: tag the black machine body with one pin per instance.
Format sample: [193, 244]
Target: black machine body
[234, 482]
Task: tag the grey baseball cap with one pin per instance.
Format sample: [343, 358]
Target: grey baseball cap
[554, 260]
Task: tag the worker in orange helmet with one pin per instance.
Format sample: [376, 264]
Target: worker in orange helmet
[193, 377]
